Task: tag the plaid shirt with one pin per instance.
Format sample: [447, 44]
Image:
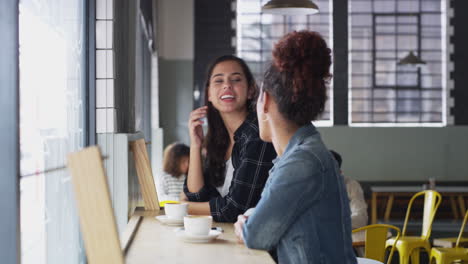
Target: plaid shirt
[251, 159]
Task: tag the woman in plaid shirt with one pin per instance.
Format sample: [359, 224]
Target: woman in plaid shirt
[230, 178]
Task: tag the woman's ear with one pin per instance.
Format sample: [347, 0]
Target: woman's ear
[266, 102]
[208, 94]
[251, 91]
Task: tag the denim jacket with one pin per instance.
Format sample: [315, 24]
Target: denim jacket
[304, 210]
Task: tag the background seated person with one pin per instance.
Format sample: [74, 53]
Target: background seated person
[175, 166]
[357, 203]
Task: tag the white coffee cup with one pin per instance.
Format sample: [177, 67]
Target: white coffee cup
[198, 225]
[176, 211]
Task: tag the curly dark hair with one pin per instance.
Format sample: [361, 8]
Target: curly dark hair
[298, 76]
[217, 138]
[173, 155]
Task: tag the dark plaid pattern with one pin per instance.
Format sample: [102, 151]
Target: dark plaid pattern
[251, 159]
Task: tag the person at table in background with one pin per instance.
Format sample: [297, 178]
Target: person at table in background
[357, 203]
[175, 165]
[304, 210]
[229, 179]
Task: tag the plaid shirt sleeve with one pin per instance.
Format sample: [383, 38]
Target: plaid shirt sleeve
[253, 160]
[207, 192]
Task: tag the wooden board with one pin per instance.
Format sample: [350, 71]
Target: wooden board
[97, 220]
[145, 175]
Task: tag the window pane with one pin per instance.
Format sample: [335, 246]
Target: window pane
[362, 105]
[408, 6]
[384, 117]
[386, 93]
[361, 117]
[384, 6]
[385, 106]
[361, 93]
[51, 126]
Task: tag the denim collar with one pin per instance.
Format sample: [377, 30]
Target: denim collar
[298, 137]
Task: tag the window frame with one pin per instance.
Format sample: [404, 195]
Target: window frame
[9, 124]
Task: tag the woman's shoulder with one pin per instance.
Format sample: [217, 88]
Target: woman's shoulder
[308, 156]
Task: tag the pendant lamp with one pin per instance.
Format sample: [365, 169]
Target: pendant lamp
[290, 7]
[411, 59]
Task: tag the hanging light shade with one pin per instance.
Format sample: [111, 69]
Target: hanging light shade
[411, 59]
[290, 7]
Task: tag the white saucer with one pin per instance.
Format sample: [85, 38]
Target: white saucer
[170, 222]
[180, 232]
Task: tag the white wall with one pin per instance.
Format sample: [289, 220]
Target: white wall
[401, 154]
[176, 29]
[176, 47]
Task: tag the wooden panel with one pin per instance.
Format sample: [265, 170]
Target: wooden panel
[94, 207]
[145, 175]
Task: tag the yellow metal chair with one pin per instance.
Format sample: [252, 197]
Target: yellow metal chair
[449, 255]
[375, 238]
[409, 246]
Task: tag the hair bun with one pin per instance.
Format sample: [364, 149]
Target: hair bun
[304, 54]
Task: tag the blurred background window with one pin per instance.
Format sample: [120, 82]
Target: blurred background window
[383, 91]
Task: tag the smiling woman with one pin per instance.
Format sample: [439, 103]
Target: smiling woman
[230, 178]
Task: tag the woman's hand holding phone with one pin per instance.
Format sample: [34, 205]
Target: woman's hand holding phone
[195, 126]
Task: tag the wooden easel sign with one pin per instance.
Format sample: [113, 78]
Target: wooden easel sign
[145, 175]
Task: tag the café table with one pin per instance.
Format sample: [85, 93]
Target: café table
[455, 194]
[155, 242]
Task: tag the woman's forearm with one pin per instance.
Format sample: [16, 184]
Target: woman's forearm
[196, 208]
[195, 179]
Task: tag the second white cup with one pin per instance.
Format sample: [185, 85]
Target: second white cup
[198, 225]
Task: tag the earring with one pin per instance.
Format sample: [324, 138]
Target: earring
[266, 119]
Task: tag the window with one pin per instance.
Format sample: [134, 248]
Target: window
[257, 34]
[383, 92]
[51, 125]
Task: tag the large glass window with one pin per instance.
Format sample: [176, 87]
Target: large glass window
[383, 91]
[51, 125]
[257, 34]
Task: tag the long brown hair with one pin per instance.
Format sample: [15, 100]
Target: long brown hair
[217, 139]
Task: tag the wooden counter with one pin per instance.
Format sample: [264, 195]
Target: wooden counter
[157, 243]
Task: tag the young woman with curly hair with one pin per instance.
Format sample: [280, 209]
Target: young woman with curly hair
[303, 214]
[230, 178]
